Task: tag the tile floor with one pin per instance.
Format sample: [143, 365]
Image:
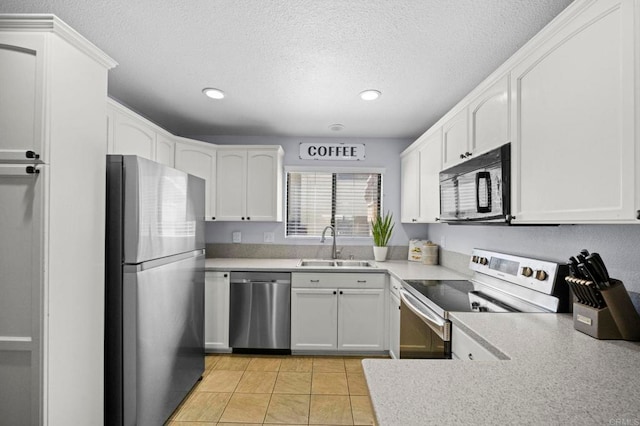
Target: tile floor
[291, 390]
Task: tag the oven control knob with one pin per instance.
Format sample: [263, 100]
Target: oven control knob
[475, 306]
[483, 261]
[474, 259]
[541, 275]
[527, 272]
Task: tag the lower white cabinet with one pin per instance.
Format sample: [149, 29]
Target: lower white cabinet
[337, 311]
[394, 318]
[216, 311]
[466, 348]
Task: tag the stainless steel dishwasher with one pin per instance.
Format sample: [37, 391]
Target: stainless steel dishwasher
[260, 312]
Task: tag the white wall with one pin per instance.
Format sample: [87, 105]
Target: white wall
[619, 245]
[380, 153]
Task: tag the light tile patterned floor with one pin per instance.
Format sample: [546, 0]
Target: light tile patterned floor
[287, 390]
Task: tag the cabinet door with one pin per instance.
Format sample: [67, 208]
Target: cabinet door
[21, 101]
[165, 148]
[314, 319]
[455, 139]
[216, 311]
[263, 191]
[430, 166]
[133, 137]
[490, 117]
[394, 326]
[199, 159]
[410, 187]
[20, 290]
[361, 319]
[574, 121]
[231, 185]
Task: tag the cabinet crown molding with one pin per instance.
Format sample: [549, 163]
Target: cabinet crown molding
[51, 23]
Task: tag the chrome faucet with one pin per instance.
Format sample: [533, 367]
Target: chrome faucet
[334, 252]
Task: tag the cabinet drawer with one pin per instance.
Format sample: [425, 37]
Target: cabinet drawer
[337, 280]
[466, 348]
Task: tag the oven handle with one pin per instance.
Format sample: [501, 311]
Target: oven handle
[433, 320]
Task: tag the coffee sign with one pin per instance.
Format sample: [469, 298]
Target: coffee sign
[332, 151]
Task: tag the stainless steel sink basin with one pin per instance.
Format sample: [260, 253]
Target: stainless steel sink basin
[336, 263]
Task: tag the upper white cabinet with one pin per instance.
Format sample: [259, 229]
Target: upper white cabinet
[575, 120]
[455, 139]
[199, 159]
[249, 183]
[410, 187]
[420, 185]
[489, 117]
[131, 134]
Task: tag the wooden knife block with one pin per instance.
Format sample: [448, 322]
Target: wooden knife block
[618, 320]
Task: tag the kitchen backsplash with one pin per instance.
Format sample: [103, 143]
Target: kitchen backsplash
[284, 251]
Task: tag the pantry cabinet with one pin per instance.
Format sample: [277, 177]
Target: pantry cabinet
[199, 159]
[575, 120]
[249, 184]
[53, 86]
[338, 311]
[216, 311]
[420, 184]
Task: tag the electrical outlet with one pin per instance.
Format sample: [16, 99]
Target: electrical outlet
[443, 241]
[269, 237]
[236, 237]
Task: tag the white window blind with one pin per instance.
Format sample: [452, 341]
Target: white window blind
[347, 201]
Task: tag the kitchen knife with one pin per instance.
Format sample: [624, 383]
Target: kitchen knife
[596, 263]
[598, 296]
[584, 252]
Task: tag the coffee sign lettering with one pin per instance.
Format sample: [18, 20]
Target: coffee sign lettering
[332, 151]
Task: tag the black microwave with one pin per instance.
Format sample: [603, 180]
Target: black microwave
[478, 190]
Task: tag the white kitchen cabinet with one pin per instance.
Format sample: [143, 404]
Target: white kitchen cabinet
[466, 348]
[455, 139]
[410, 187]
[199, 159]
[575, 115]
[420, 181]
[53, 86]
[338, 311]
[314, 319]
[165, 150]
[131, 134]
[394, 317]
[216, 311]
[489, 117]
[249, 184]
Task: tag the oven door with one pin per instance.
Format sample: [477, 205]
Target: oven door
[423, 333]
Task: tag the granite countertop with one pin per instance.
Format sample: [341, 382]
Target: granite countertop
[555, 375]
[401, 269]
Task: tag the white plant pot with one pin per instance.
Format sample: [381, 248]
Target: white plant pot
[380, 253]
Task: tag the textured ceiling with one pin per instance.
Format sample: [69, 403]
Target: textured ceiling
[294, 67]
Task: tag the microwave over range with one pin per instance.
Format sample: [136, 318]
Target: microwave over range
[478, 190]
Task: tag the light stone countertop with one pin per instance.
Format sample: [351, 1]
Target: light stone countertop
[555, 375]
[402, 269]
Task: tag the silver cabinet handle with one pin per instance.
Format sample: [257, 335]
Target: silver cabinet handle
[18, 170]
[362, 281]
[314, 281]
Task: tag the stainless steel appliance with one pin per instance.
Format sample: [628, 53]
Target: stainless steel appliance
[154, 313]
[500, 283]
[260, 312]
[478, 190]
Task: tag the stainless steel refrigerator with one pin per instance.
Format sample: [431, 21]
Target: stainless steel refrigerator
[154, 316]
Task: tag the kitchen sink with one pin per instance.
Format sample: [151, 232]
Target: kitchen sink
[322, 263]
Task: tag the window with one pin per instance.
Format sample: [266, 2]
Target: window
[347, 201]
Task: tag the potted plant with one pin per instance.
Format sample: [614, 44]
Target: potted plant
[381, 229]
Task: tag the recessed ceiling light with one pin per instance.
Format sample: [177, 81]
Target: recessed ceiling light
[213, 93]
[336, 127]
[370, 95]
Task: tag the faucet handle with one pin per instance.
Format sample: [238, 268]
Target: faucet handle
[338, 253]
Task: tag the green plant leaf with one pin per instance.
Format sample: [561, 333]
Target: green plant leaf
[381, 229]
